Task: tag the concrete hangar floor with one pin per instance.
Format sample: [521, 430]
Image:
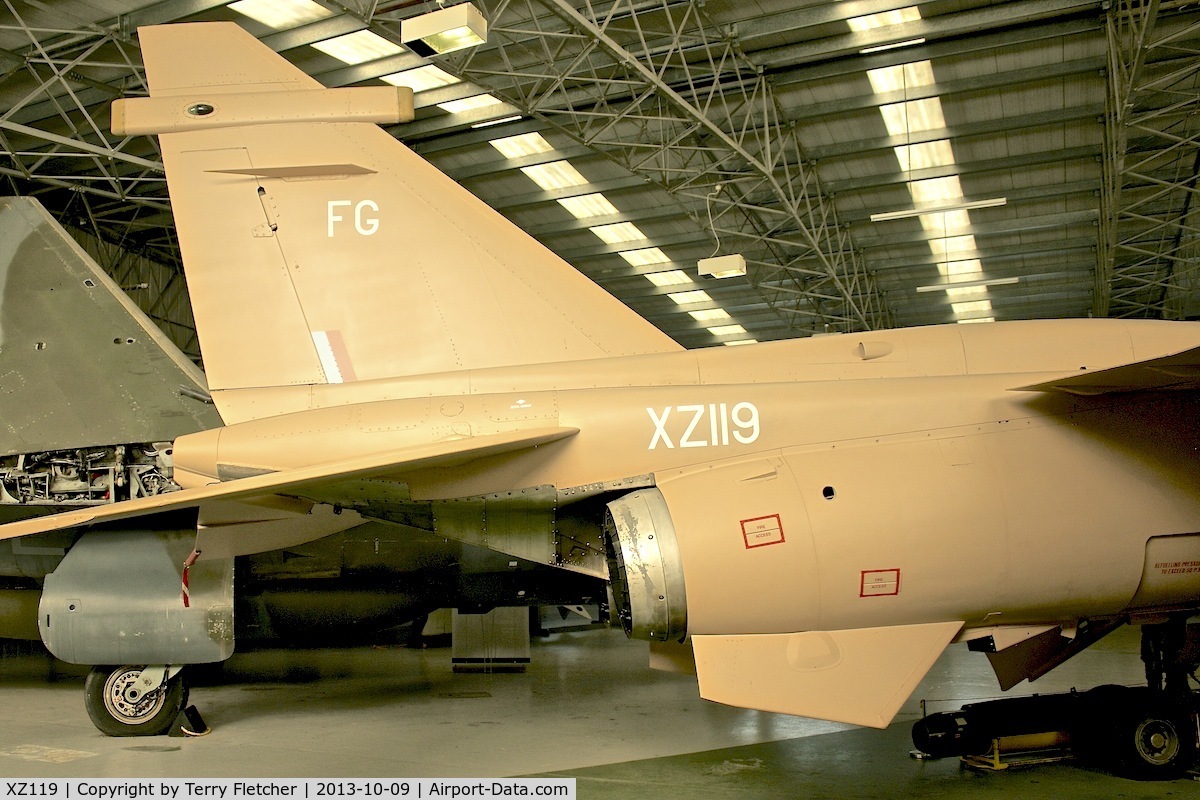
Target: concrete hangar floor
[587, 708]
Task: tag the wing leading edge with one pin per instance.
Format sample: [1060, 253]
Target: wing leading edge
[295, 482]
[1180, 371]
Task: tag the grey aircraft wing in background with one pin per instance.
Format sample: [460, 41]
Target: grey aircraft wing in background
[66, 329]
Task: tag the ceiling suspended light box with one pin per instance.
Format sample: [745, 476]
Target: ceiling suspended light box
[723, 266]
[938, 209]
[444, 30]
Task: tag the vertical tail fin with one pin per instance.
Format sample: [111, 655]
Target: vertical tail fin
[319, 249]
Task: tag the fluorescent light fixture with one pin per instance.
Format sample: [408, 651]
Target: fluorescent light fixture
[644, 257]
[879, 48]
[421, 78]
[469, 104]
[444, 30]
[554, 175]
[618, 233]
[942, 287]
[281, 14]
[740, 342]
[588, 205]
[938, 209]
[686, 298]
[726, 330]
[524, 144]
[710, 315]
[723, 266]
[500, 121]
[358, 47]
[672, 277]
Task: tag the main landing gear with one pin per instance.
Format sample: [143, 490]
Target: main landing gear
[134, 700]
[1148, 733]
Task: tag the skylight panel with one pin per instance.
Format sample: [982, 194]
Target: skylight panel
[897, 16]
[588, 205]
[937, 190]
[555, 175]
[946, 223]
[924, 155]
[710, 315]
[358, 47]
[469, 104]
[902, 119]
[737, 342]
[967, 269]
[968, 293]
[524, 144]
[686, 298]
[949, 245]
[726, 330]
[901, 77]
[421, 78]
[281, 14]
[618, 233]
[967, 321]
[673, 277]
[972, 308]
[644, 257]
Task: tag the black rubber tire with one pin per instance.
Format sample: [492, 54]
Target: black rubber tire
[1155, 742]
[113, 715]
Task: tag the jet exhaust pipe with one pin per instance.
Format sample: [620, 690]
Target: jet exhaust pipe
[645, 567]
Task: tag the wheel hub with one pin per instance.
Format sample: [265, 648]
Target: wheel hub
[125, 701]
[1157, 741]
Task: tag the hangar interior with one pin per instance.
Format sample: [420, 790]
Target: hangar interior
[875, 163]
[1051, 144]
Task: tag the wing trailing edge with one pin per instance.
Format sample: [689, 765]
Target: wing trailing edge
[859, 676]
[294, 482]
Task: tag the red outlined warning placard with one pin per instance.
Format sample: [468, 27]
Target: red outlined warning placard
[762, 531]
[879, 583]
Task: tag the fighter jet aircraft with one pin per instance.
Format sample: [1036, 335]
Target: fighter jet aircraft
[816, 519]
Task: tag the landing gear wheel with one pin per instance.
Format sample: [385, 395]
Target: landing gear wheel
[117, 708]
[1155, 744]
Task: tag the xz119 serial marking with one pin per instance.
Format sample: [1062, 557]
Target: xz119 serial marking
[711, 425]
